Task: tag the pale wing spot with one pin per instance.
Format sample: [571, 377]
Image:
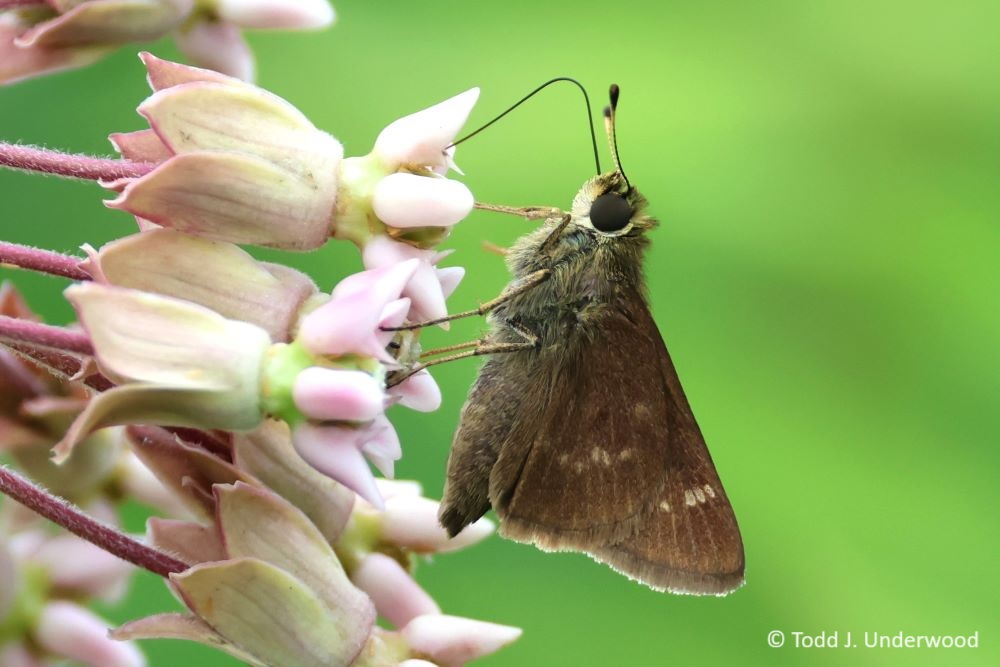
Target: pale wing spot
[578, 466]
[641, 411]
[664, 505]
[600, 455]
[625, 454]
[709, 491]
[564, 459]
[689, 499]
[700, 495]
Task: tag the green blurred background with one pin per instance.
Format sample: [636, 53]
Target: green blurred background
[826, 278]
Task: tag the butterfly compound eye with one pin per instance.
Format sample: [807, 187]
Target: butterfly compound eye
[610, 212]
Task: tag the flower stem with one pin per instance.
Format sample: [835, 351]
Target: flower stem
[43, 261]
[86, 167]
[13, 328]
[79, 523]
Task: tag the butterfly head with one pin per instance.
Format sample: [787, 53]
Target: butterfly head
[610, 206]
[607, 203]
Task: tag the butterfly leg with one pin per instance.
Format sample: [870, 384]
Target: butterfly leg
[450, 348]
[554, 235]
[520, 287]
[526, 212]
[495, 249]
[479, 348]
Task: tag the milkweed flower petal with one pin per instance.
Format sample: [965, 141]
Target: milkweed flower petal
[350, 321]
[230, 197]
[450, 277]
[336, 452]
[190, 541]
[406, 200]
[453, 641]
[412, 522]
[142, 337]
[398, 598]
[268, 454]
[19, 62]
[327, 394]
[177, 363]
[153, 403]
[421, 138]
[140, 146]
[107, 22]
[424, 289]
[418, 392]
[163, 74]
[217, 46]
[66, 629]
[236, 116]
[79, 566]
[298, 14]
[233, 162]
[218, 275]
[268, 613]
[277, 594]
[257, 523]
[381, 445]
[177, 626]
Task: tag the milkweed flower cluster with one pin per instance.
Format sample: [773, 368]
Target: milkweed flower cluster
[41, 36]
[42, 577]
[237, 397]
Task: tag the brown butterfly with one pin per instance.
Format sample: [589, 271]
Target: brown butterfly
[577, 431]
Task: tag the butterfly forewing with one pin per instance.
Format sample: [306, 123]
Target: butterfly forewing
[577, 473]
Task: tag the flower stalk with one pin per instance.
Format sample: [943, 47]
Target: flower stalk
[79, 523]
[26, 331]
[42, 261]
[13, 4]
[85, 167]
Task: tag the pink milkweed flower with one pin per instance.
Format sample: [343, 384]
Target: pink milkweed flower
[360, 306]
[181, 364]
[37, 570]
[374, 540]
[396, 203]
[51, 35]
[429, 287]
[68, 630]
[36, 407]
[73, 566]
[400, 185]
[236, 163]
[216, 40]
[174, 362]
[275, 594]
[266, 586]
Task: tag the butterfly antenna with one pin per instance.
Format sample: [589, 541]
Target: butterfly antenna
[609, 128]
[586, 99]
